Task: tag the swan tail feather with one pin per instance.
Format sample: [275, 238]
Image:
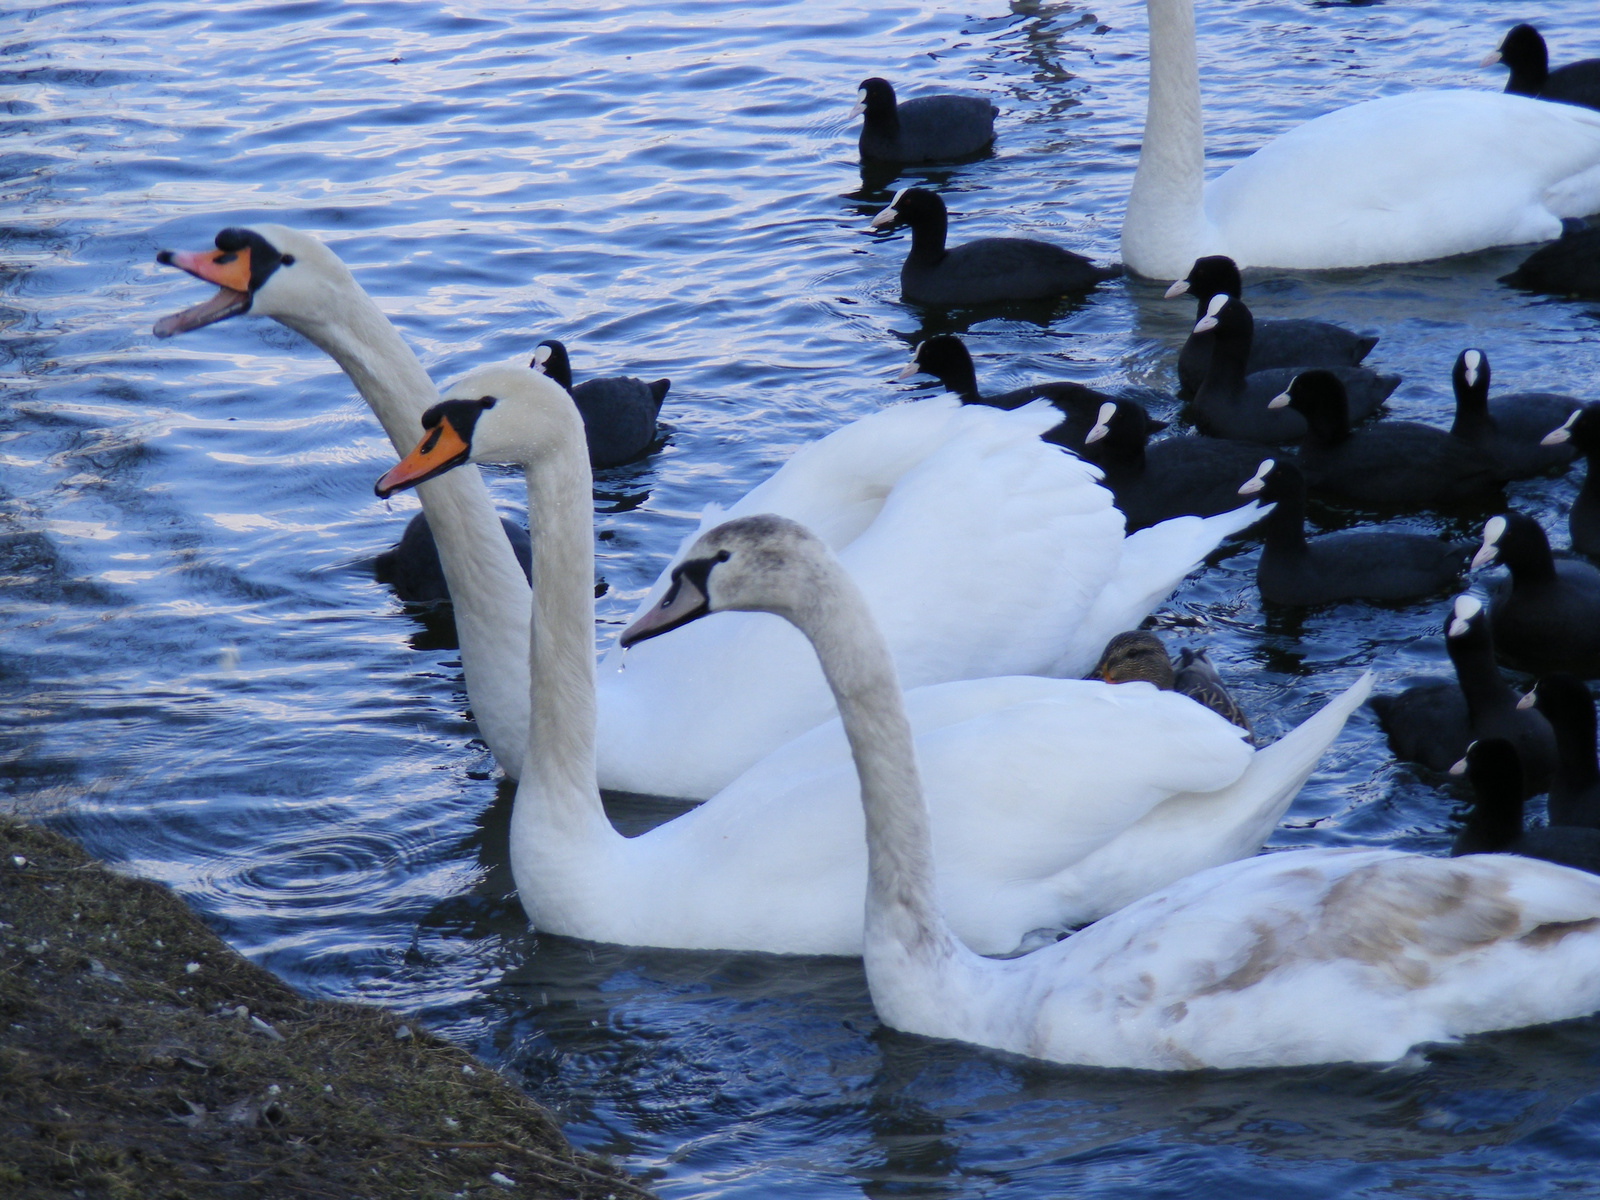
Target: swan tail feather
[1278, 772]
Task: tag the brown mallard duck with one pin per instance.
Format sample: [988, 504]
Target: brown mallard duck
[1139, 655]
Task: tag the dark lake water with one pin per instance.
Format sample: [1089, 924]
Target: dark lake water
[200, 679]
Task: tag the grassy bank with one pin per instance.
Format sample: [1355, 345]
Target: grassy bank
[141, 1057]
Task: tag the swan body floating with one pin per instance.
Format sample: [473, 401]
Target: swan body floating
[1056, 800]
[904, 494]
[1022, 547]
[1286, 959]
[1399, 179]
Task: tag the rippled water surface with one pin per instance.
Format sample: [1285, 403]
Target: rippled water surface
[201, 680]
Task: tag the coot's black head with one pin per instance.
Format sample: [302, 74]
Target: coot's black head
[1275, 479]
[1229, 317]
[875, 97]
[1582, 429]
[1517, 541]
[1135, 656]
[914, 206]
[1471, 375]
[945, 356]
[1466, 629]
[1118, 434]
[1320, 398]
[1213, 275]
[1524, 52]
[550, 356]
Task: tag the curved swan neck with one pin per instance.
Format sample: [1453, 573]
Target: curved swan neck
[902, 906]
[370, 350]
[485, 582]
[1162, 231]
[559, 770]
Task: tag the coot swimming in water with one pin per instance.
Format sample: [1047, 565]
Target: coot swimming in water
[1582, 430]
[1494, 825]
[927, 129]
[619, 412]
[1296, 342]
[1509, 429]
[987, 271]
[1388, 464]
[1366, 564]
[1232, 403]
[1433, 723]
[1523, 50]
[1547, 616]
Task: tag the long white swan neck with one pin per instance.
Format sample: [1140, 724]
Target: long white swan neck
[1163, 230]
[486, 584]
[903, 919]
[356, 335]
[558, 800]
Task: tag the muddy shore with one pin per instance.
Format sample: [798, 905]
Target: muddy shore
[141, 1057]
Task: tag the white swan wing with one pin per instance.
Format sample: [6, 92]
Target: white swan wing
[1319, 956]
[979, 557]
[989, 555]
[1410, 177]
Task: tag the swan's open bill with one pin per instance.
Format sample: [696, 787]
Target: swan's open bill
[1301, 957]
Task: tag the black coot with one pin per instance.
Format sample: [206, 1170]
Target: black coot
[1232, 403]
[1433, 725]
[1568, 706]
[1296, 343]
[411, 566]
[927, 129]
[1139, 655]
[1188, 475]
[1582, 431]
[1388, 464]
[1524, 52]
[987, 271]
[619, 413]
[1547, 616]
[1494, 824]
[1509, 429]
[1368, 564]
[1568, 267]
[945, 356]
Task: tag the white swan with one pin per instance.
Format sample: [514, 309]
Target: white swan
[1046, 576]
[1286, 959]
[1402, 178]
[1052, 798]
